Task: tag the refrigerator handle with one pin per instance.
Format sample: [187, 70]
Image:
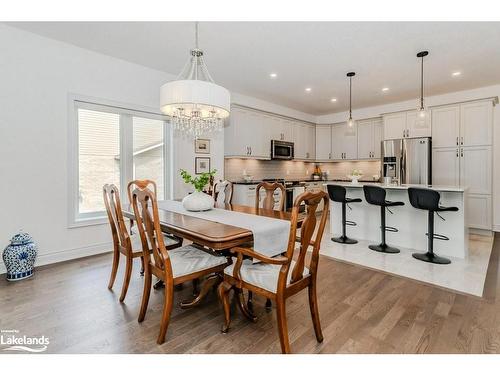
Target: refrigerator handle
[402, 164]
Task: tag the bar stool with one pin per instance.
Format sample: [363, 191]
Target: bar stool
[337, 194]
[376, 195]
[427, 199]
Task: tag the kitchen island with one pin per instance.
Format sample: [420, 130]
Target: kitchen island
[410, 222]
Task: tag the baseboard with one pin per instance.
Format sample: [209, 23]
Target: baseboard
[481, 232]
[69, 254]
[496, 228]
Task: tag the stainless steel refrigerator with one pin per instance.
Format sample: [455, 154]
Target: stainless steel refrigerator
[408, 161]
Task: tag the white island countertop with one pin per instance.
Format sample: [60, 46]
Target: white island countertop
[397, 187]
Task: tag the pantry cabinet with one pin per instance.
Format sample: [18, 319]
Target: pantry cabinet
[369, 139]
[462, 155]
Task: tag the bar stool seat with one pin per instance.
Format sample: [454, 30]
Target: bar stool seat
[428, 199]
[337, 193]
[376, 195]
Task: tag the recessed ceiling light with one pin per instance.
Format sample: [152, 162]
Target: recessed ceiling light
[333, 100]
[308, 89]
[385, 89]
[273, 75]
[456, 74]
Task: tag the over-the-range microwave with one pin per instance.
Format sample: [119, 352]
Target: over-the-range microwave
[281, 150]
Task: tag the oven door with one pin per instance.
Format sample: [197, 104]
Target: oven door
[281, 150]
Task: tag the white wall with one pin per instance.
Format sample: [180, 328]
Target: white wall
[454, 97]
[37, 74]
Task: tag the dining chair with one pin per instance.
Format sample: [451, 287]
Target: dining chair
[143, 184]
[268, 201]
[223, 192]
[173, 267]
[124, 243]
[280, 277]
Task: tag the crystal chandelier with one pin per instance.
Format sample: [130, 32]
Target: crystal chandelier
[196, 105]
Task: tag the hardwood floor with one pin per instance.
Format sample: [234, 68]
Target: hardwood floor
[361, 311]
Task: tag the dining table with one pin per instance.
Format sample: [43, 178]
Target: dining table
[209, 235]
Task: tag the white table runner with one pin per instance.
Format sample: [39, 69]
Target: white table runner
[270, 235]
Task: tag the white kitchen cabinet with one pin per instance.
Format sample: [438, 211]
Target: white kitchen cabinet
[446, 166]
[404, 125]
[238, 133]
[478, 211]
[323, 142]
[475, 169]
[344, 142]
[476, 123]
[395, 125]
[244, 194]
[446, 126]
[369, 138]
[304, 140]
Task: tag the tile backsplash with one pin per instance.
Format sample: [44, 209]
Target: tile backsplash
[290, 170]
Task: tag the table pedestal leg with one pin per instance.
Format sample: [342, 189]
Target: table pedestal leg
[205, 288]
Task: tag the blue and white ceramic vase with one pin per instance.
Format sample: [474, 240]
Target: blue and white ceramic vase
[19, 257]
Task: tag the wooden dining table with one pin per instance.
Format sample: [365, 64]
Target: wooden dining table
[214, 236]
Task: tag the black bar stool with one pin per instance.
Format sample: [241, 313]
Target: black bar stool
[337, 194]
[376, 195]
[427, 199]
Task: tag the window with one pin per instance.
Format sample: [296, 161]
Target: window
[113, 144]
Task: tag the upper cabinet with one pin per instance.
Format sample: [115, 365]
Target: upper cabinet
[369, 138]
[466, 124]
[304, 137]
[248, 134]
[404, 125]
[344, 142]
[323, 142]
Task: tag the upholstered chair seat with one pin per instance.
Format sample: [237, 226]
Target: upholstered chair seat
[189, 259]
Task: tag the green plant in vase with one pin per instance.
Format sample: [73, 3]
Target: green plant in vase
[198, 201]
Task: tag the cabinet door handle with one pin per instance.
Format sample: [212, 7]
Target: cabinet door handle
[461, 141]
[462, 152]
[329, 155]
[457, 149]
[457, 141]
[250, 150]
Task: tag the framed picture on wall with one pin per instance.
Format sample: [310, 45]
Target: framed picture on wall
[202, 146]
[202, 165]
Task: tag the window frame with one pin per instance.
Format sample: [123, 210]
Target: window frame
[126, 113]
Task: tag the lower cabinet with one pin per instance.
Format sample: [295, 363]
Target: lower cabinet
[244, 195]
[478, 214]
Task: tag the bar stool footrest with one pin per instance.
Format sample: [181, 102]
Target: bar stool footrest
[439, 237]
[351, 223]
[391, 229]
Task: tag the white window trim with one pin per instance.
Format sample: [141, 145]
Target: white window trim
[126, 111]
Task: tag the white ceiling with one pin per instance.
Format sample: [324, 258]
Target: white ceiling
[240, 56]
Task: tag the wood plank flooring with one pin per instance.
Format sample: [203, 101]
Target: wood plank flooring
[361, 311]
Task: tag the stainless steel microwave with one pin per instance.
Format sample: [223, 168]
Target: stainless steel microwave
[281, 150]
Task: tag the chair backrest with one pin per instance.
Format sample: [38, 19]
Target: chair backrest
[113, 205]
[141, 184]
[268, 201]
[424, 199]
[308, 230]
[336, 193]
[223, 192]
[148, 222]
[374, 194]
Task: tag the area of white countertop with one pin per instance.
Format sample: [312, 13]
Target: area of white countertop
[397, 187]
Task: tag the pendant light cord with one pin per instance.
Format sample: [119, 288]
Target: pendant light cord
[196, 34]
[350, 98]
[422, 85]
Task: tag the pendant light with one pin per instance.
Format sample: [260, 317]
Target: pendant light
[422, 114]
[196, 105]
[350, 121]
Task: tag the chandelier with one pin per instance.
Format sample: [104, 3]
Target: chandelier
[196, 105]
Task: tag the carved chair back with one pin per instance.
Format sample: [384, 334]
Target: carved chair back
[121, 238]
[141, 184]
[148, 222]
[268, 201]
[310, 235]
[223, 192]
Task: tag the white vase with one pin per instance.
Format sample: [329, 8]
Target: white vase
[198, 201]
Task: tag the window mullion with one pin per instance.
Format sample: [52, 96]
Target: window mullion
[126, 153]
